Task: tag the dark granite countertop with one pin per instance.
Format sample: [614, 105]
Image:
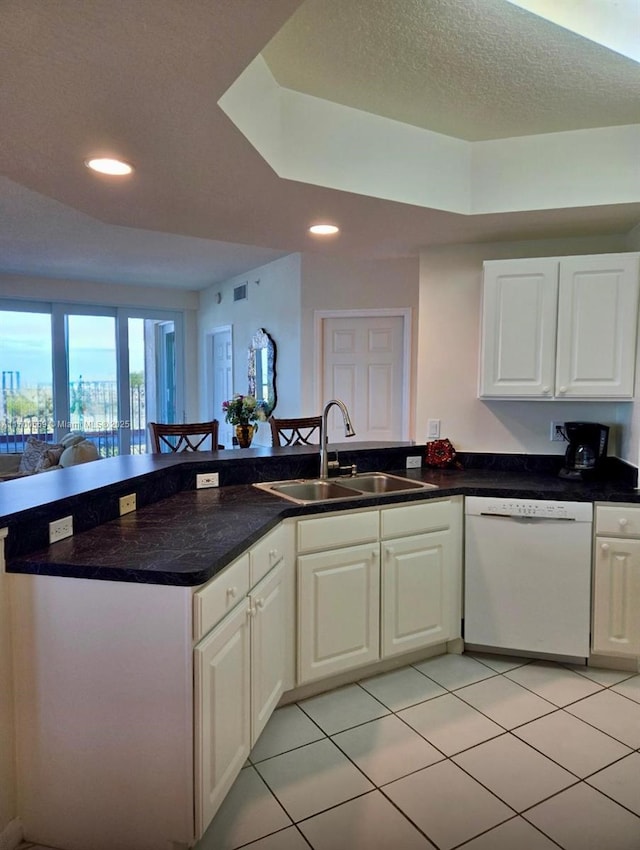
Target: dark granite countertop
[187, 536]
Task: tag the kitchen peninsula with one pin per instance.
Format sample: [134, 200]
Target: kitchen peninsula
[115, 628]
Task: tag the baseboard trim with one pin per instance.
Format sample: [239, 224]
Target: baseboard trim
[11, 835]
[615, 662]
[320, 686]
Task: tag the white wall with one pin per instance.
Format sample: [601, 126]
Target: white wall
[273, 303]
[284, 303]
[8, 800]
[339, 283]
[448, 348]
[89, 292]
[632, 239]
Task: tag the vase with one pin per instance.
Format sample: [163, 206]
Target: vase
[244, 435]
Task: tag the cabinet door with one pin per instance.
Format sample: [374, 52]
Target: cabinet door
[519, 329]
[338, 610]
[616, 602]
[267, 553]
[416, 587]
[268, 634]
[222, 712]
[597, 317]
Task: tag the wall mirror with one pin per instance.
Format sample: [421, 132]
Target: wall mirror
[262, 370]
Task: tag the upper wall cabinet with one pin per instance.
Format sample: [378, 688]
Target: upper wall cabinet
[560, 328]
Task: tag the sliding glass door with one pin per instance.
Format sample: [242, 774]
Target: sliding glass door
[26, 399]
[92, 381]
[104, 371]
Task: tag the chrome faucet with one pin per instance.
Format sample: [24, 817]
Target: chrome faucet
[324, 440]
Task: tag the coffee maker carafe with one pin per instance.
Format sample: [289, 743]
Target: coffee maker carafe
[586, 451]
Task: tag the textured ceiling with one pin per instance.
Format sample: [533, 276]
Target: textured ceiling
[474, 70]
[143, 80]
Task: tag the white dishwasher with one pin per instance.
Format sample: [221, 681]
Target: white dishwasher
[528, 575]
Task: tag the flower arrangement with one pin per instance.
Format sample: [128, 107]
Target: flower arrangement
[243, 410]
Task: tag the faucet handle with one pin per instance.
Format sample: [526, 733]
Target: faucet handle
[334, 464]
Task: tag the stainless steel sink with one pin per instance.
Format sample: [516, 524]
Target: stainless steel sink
[382, 482]
[303, 491]
[310, 491]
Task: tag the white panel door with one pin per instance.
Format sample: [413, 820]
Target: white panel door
[597, 318]
[268, 654]
[338, 610]
[519, 311]
[363, 364]
[222, 711]
[222, 367]
[616, 597]
[417, 578]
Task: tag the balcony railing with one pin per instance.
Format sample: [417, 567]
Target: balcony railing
[93, 413]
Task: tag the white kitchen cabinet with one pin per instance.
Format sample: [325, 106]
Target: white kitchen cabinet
[401, 593]
[278, 547]
[519, 317]
[421, 575]
[162, 684]
[269, 637]
[560, 328]
[222, 711]
[415, 610]
[338, 610]
[239, 671]
[616, 582]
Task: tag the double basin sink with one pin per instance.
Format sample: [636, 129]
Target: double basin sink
[305, 491]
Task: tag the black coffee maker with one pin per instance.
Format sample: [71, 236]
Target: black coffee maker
[586, 451]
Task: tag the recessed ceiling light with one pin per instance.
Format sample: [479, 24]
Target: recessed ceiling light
[323, 229]
[106, 165]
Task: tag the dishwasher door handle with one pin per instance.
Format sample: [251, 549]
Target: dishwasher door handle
[517, 518]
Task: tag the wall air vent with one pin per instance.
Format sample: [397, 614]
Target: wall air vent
[240, 292]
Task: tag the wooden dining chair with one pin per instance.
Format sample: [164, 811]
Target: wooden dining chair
[185, 437]
[295, 432]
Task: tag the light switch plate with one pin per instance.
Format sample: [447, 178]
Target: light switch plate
[433, 429]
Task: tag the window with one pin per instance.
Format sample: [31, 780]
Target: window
[26, 402]
[103, 371]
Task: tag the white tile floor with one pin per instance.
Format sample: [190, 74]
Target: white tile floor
[475, 751]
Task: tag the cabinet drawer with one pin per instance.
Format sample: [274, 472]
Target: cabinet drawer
[219, 596]
[618, 519]
[331, 532]
[266, 554]
[419, 518]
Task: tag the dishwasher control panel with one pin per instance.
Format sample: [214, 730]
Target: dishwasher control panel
[528, 508]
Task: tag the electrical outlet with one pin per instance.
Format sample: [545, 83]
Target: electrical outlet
[433, 429]
[414, 462]
[127, 504]
[60, 529]
[556, 432]
[207, 479]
